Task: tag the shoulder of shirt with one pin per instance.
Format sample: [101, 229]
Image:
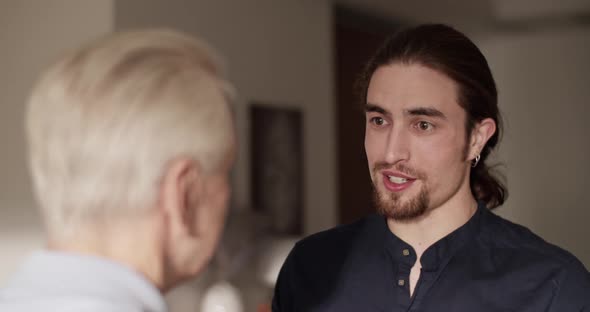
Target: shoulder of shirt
[324, 253]
[501, 233]
[343, 235]
[340, 241]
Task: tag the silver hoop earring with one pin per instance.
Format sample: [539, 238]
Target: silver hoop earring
[475, 161]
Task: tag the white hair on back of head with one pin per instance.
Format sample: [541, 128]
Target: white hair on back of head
[103, 123]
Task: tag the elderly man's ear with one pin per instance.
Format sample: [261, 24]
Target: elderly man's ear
[191, 211]
[181, 192]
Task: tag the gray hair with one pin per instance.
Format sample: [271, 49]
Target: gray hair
[103, 123]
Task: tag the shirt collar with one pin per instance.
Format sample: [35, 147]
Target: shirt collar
[440, 252]
[84, 275]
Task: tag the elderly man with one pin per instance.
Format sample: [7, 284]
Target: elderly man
[131, 140]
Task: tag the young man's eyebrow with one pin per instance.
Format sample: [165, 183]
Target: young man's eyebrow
[425, 111]
[375, 108]
[418, 111]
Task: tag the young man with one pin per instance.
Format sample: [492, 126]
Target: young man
[431, 121]
[131, 141]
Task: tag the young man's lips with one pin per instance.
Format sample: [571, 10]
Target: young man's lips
[397, 174]
[396, 182]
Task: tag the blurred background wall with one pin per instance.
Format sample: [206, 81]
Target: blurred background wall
[293, 54]
[32, 34]
[543, 77]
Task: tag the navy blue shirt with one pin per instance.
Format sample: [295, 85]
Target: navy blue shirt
[487, 265]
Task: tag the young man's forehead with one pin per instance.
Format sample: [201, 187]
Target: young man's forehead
[411, 86]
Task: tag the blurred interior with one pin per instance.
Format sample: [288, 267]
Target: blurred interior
[299, 59]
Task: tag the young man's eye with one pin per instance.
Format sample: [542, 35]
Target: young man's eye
[425, 126]
[378, 121]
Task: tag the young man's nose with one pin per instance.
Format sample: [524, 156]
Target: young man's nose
[397, 146]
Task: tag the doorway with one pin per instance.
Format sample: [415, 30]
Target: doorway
[356, 38]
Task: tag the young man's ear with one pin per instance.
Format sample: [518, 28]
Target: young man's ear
[482, 132]
[180, 192]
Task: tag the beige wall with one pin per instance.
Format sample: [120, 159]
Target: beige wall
[32, 34]
[279, 53]
[543, 78]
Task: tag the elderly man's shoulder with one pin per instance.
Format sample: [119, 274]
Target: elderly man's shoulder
[65, 305]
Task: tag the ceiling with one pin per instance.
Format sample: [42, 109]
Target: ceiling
[473, 15]
[423, 10]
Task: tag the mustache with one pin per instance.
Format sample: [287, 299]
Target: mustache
[400, 168]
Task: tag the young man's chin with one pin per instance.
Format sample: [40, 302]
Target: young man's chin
[401, 206]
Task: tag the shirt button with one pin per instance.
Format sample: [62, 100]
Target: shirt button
[401, 282]
[406, 252]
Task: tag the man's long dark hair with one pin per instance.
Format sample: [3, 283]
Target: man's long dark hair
[450, 52]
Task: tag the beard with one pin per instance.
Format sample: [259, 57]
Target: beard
[392, 206]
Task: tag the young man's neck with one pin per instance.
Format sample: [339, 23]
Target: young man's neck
[437, 223]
